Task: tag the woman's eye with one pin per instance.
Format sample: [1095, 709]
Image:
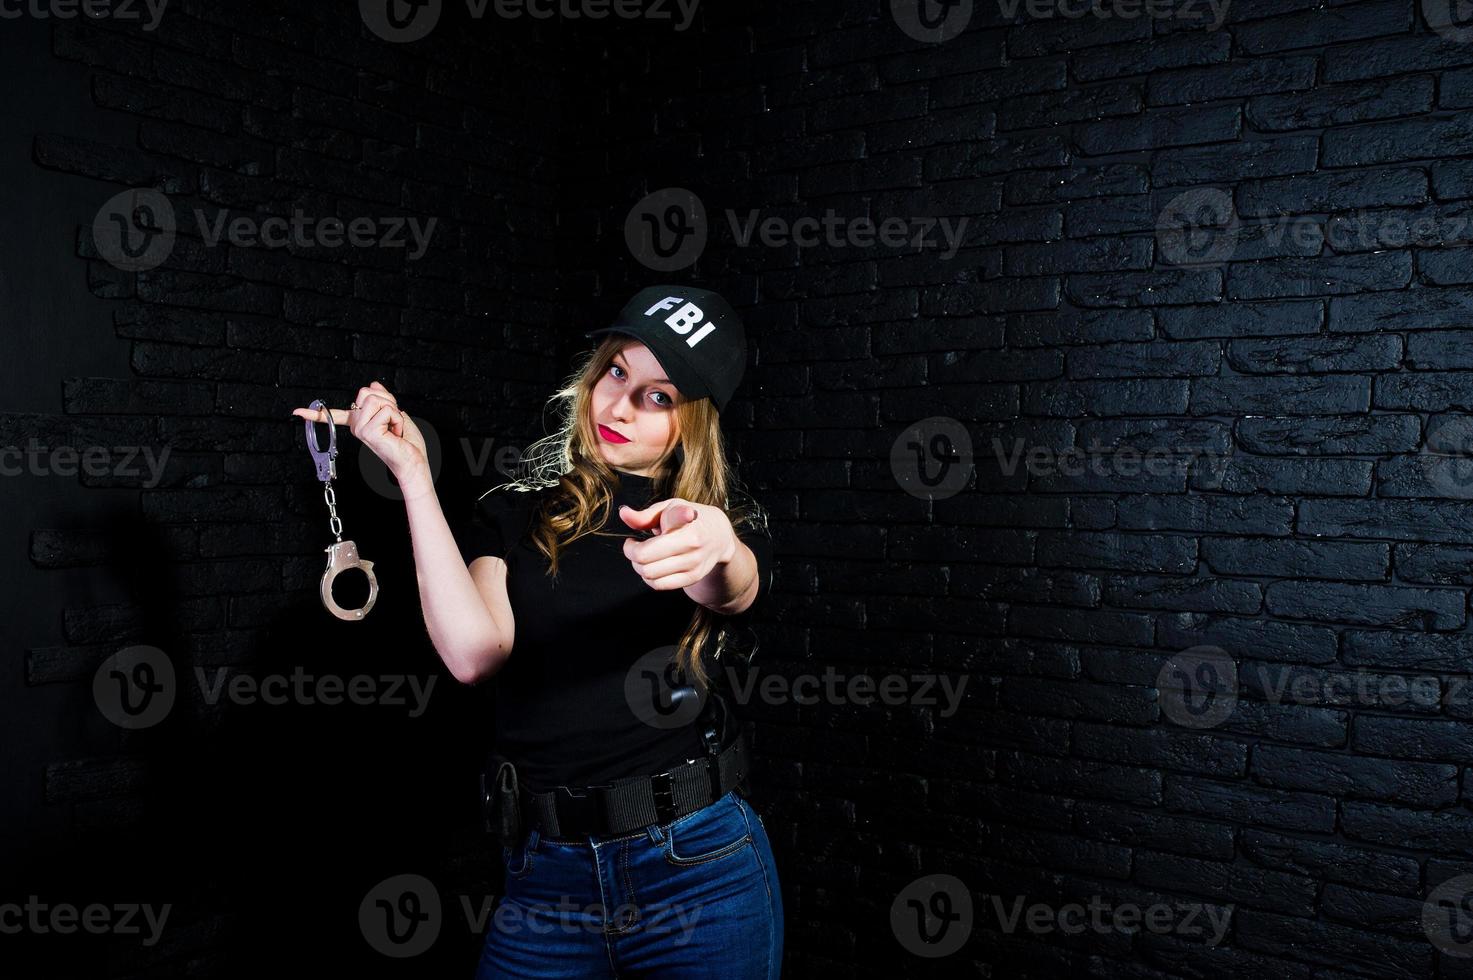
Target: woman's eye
[661, 398]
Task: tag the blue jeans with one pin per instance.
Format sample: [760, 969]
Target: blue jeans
[697, 897]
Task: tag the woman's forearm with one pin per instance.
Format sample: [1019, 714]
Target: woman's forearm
[461, 626]
[731, 586]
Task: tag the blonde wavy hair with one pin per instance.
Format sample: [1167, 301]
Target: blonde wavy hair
[693, 466]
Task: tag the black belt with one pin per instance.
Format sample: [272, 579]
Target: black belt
[611, 808]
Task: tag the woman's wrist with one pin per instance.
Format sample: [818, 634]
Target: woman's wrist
[416, 481]
[730, 552]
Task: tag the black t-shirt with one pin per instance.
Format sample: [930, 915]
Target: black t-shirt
[562, 712]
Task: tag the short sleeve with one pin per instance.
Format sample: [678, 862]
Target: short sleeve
[488, 528]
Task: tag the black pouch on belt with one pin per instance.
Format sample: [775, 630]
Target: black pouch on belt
[501, 801]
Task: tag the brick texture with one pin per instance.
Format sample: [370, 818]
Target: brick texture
[1296, 362]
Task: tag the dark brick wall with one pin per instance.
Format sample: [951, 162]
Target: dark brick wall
[1309, 517]
[261, 826]
[1293, 363]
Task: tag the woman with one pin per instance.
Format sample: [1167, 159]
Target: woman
[628, 849]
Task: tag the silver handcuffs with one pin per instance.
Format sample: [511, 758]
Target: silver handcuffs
[341, 555]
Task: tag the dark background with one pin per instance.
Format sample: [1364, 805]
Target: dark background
[1322, 364]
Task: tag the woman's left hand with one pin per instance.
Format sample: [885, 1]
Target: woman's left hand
[690, 540]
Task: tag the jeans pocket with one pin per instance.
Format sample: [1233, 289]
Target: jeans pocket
[710, 834]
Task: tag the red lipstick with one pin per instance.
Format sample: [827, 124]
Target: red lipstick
[610, 435]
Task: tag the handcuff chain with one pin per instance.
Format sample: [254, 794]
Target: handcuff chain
[334, 523]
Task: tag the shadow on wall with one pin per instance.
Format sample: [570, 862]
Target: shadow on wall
[300, 763]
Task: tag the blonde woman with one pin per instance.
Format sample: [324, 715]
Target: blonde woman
[596, 589]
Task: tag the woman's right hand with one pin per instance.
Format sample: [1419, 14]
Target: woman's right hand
[382, 427]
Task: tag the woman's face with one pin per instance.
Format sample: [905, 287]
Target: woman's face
[634, 400]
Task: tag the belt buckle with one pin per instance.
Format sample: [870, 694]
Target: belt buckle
[662, 786]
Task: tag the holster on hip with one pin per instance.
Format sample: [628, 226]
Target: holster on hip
[501, 802]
